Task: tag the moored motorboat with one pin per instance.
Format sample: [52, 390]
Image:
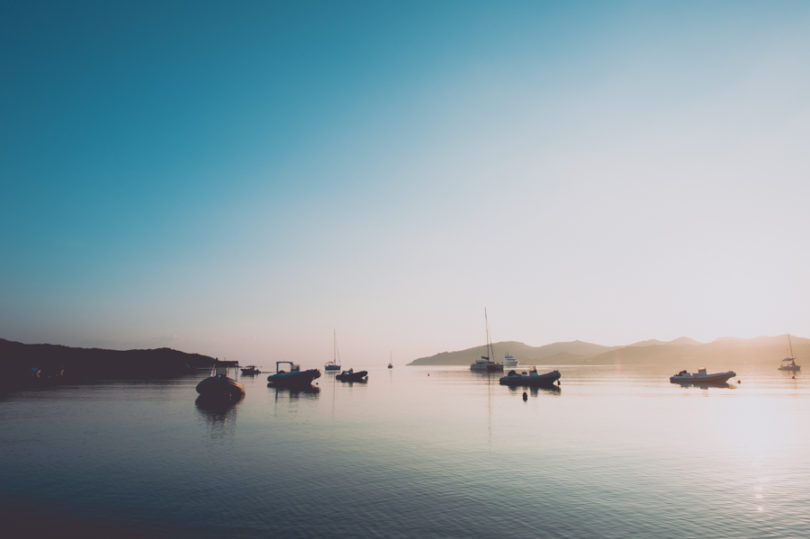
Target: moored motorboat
[294, 377]
[701, 377]
[352, 376]
[530, 379]
[221, 388]
[250, 370]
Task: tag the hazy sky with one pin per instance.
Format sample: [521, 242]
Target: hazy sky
[239, 178]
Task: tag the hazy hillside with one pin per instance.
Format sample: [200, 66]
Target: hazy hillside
[724, 353]
[760, 353]
[574, 351]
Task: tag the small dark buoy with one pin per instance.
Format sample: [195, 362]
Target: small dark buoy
[739, 381]
[525, 396]
[428, 374]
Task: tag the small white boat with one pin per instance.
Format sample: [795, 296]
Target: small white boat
[701, 377]
[509, 360]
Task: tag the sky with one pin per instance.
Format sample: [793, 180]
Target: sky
[241, 179]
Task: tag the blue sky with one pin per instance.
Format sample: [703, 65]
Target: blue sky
[240, 179]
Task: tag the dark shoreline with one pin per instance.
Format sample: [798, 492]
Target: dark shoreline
[49, 364]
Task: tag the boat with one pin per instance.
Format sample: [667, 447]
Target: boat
[294, 377]
[701, 377]
[219, 387]
[351, 376]
[332, 365]
[509, 360]
[391, 360]
[530, 379]
[250, 370]
[486, 364]
[789, 363]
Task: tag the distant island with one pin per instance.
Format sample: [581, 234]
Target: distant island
[726, 352]
[42, 363]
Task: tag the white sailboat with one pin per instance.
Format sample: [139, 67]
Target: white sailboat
[486, 364]
[333, 365]
[789, 363]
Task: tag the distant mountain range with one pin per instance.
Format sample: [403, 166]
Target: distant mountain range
[40, 362]
[558, 352]
[725, 353]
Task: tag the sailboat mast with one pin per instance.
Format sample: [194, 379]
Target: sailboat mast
[790, 346]
[334, 346]
[489, 344]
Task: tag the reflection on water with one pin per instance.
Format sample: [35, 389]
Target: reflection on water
[294, 392]
[220, 415]
[535, 391]
[413, 453]
[706, 385]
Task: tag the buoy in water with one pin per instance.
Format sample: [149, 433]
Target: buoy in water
[525, 396]
[739, 381]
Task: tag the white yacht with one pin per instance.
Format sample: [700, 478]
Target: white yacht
[509, 360]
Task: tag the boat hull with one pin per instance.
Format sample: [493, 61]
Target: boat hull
[294, 378]
[220, 388]
[359, 376]
[530, 380]
[492, 367]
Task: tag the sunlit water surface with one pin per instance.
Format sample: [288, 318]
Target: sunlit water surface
[415, 452]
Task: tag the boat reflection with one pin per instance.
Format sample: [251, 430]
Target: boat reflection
[535, 390]
[706, 385]
[219, 414]
[294, 392]
[216, 407]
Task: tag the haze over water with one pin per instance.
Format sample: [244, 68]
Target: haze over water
[438, 452]
[246, 180]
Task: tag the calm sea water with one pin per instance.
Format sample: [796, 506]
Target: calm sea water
[415, 452]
